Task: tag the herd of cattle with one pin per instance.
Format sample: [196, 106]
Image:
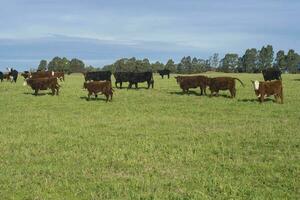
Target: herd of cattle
[100, 82]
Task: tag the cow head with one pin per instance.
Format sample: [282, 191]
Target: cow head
[256, 87]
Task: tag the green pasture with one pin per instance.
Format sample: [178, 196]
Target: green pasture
[149, 144]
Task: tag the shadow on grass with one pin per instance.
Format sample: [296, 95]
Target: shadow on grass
[39, 94]
[186, 93]
[255, 100]
[297, 79]
[94, 98]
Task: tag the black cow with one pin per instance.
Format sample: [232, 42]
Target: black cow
[14, 74]
[271, 74]
[1, 76]
[139, 77]
[164, 72]
[121, 77]
[98, 76]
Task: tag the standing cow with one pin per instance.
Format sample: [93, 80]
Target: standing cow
[140, 77]
[187, 82]
[1, 77]
[164, 72]
[44, 83]
[223, 83]
[268, 88]
[95, 87]
[271, 74]
[97, 76]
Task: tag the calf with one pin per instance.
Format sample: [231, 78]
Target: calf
[268, 88]
[94, 87]
[223, 83]
[187, 82]
[43, 84]
[164, 72]
[271, 74]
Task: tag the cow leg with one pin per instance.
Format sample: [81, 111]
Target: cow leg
[152, 83]
[201, 91]
[232, 92]
[57, 91]
[89, 96]
[116, 84]
[53, 91]
[96, 96]
[107, 97]
[168, 76]
[262, 97]
[136, 85]
[129, 85]
[36, 92]
[148, 83]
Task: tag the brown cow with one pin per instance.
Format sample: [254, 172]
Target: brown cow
[268, 88]
[48, 74]
[94, 87]
[43, 84]
[187, 82]
[223, 83]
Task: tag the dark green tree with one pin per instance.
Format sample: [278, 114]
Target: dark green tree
[292, 61]
[170, 65]
[229, 62]
[43, 65]
[249, 60]
[265, 57]
[280, 61]
[76, 65]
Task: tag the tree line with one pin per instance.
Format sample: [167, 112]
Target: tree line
[253, 61]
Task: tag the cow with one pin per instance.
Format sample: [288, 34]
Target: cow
[25, 74]
[97, 76]
[13, 75]
[7, 77]
[43, 84]
[271, 74]
[223, 83]
[121, 77]
[164, 72]
[94, 87]
[47, 74]
[268, 88]
[1, 77]
[139, 77]
[187, 82]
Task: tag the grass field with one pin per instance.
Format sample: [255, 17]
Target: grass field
[149, 144]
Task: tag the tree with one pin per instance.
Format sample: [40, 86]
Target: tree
[214, 60]
[229, 62]
[280, 61]
[157, 66]
[265, 57]
[170, 65]
[249, 60]
[43, 65]
[292, 61]
[76, 65]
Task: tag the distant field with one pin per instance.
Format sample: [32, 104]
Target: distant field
[149, 144]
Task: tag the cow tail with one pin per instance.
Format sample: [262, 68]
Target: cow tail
[240, 82]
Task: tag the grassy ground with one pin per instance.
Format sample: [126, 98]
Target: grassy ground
[149, 144]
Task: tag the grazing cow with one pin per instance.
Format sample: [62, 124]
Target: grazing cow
[43, 84]
[164, 72]
[97, 76]
[13, 75]
[94, 87]
[1, 76]
[187, 82]
[223, 83]
[139, 77]
[121, 77]
[268, 88]
[271, 74]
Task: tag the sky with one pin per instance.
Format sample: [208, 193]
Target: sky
[100, 32]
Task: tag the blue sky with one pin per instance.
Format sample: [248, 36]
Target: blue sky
[99, 32]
